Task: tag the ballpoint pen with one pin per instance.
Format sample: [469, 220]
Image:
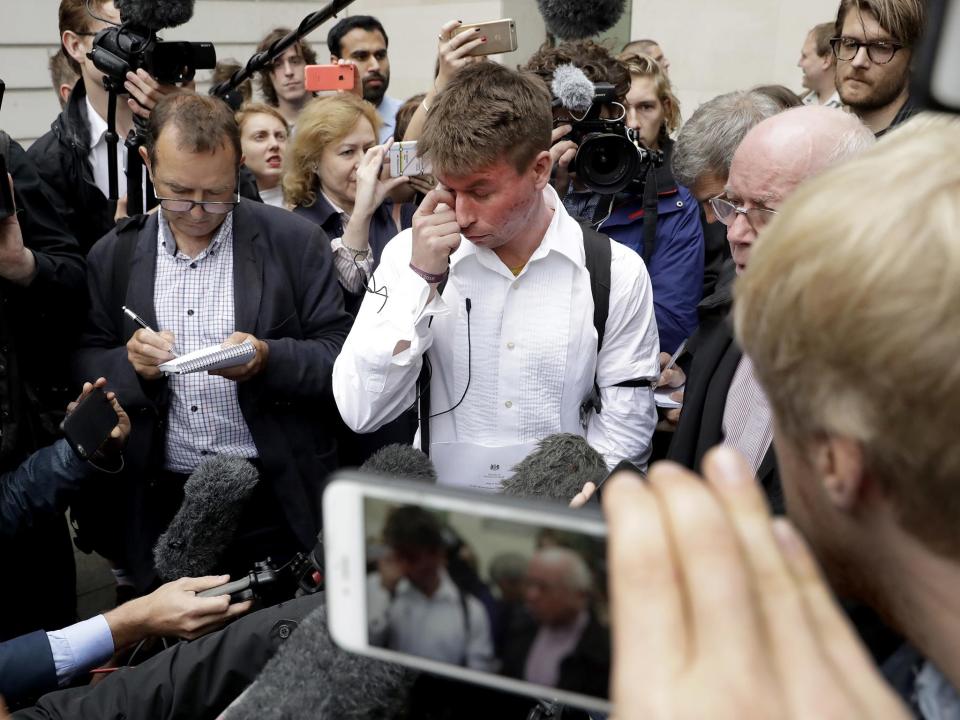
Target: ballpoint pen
[139, 321]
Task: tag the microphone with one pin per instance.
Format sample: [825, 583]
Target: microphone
[572, 89]
[557, 469]
[401, 461]
[213, 499]
[154, 14]
[576, 19]
[311, 677]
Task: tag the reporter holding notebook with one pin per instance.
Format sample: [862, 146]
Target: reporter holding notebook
[212, 270]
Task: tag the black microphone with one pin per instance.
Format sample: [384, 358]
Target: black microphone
[311, 677]
[557, 469]
[576, 19]
[205, 524]
[155, 14]
[572, 89]
[403, 461]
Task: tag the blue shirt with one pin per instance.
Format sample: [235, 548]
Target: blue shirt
[80, 647]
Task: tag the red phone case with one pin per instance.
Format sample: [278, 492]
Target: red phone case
[317, 78]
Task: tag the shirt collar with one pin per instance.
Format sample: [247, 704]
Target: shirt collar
[336, 208]
[168, 244]
[98, 126]
[446, 591]
[563, 236]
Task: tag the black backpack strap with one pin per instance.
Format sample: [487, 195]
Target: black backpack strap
[598, 256]
[4, 145]
[423, 391]
[650, 198]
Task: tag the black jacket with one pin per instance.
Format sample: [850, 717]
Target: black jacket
[285, 293]
[705, 397]
[61, 158]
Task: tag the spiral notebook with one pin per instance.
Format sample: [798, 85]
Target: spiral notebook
[215, 357]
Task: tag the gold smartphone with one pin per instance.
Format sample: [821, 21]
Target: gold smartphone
[501, 36]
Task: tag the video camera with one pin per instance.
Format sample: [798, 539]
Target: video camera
[119, 50]
[609, 159]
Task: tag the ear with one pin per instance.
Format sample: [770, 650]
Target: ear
[541, 169]
[146, 161]
[243, 159]
[333, 59]
[839, 462]
[73, 45]
[64, 91]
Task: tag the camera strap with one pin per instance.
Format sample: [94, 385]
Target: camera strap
[650, 199]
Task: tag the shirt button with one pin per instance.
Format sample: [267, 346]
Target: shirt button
[189, 312]
[508, 403]
[204, 452]
[516, 286]
[510, 346]
[193, 265]
[193, 408]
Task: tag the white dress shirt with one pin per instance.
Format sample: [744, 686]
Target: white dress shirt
[533, 346]
[387, 110]
[747, 415]
[99, 156]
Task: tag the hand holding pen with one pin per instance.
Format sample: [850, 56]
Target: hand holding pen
[147, 348]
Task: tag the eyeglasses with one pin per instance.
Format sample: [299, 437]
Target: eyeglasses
[879, 52]
[727, 212]
[212, 207]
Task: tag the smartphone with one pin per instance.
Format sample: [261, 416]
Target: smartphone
[405, 161]
[501, 36]
[501, 573]
[319, 78]
[89, 425]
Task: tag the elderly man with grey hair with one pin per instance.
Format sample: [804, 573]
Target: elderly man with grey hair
[723, 402]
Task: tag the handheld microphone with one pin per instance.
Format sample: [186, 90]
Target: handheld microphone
[155, 14]
[311, 677]
[205, 524]
[401, 461]
[572, 89]
[557, 469]
[576, 19]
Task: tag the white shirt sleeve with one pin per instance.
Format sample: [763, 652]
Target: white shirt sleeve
[80, 647]
[624, 428]
[371, 384]
[480, 643]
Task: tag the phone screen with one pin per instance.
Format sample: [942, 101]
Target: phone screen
[508, 599]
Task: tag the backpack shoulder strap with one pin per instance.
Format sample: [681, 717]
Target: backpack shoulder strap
[596, 247]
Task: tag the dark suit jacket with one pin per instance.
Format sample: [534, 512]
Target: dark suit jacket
[701, 422]
[285, 293]
[26, 667]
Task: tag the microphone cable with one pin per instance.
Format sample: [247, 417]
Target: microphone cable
[469, 367]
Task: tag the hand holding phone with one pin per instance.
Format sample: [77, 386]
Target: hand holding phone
[95, 421]
[343, 76]
[405, 161]
[497, 36]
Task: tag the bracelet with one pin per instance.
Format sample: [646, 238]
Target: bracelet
[431, 278]
[426, 108]
[105, 470]
[357, 254]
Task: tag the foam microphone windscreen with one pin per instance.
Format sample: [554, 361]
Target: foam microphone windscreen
[579, 19]
[310, 677]
[213, 499]
[403, 461]
[572, 88]
[155, 14]
[558, 469]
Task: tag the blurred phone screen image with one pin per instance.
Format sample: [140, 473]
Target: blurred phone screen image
[488, 594]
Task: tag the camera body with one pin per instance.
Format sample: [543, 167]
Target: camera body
[609, 159]
[119, 50]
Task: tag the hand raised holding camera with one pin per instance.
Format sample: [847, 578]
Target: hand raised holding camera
[436, 233]
[562, 154]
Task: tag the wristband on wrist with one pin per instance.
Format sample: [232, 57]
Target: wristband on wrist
[426, 108]
[431, 278]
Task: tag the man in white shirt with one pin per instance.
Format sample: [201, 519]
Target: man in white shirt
[512, 345]
[818, 65]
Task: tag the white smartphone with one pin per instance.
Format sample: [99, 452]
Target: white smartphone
[405, 161]
[502, 592]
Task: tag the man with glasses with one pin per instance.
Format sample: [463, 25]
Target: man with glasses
[212, 268]
[723, 402]
[874, 46]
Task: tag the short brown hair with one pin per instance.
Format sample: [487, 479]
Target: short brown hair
[248, 109]
[266, 82]
[73, 16]
[822, 34]
[224, 70]
[487, 113]
[595, 60]
[646, 66]
[405, 115]
[847, 343]
[61, 73]
[205, 124]
[322, 121]
[903, 19]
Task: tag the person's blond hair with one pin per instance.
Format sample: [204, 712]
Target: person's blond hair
[849, 311]
[646, 66]
[903, 19]
[485, 114]
[323, 121]
[254, 108]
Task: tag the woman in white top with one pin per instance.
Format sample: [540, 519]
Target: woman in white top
[263, 139]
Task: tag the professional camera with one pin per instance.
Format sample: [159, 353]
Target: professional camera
[608, 160]
[119, 50]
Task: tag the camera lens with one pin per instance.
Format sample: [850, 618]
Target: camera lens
[606, 162]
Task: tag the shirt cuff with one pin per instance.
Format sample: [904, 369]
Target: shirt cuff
[80, 647]
[410, 314]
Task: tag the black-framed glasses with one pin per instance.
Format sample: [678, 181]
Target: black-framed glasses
[211, 207]
[727, 212]
[880, 52]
